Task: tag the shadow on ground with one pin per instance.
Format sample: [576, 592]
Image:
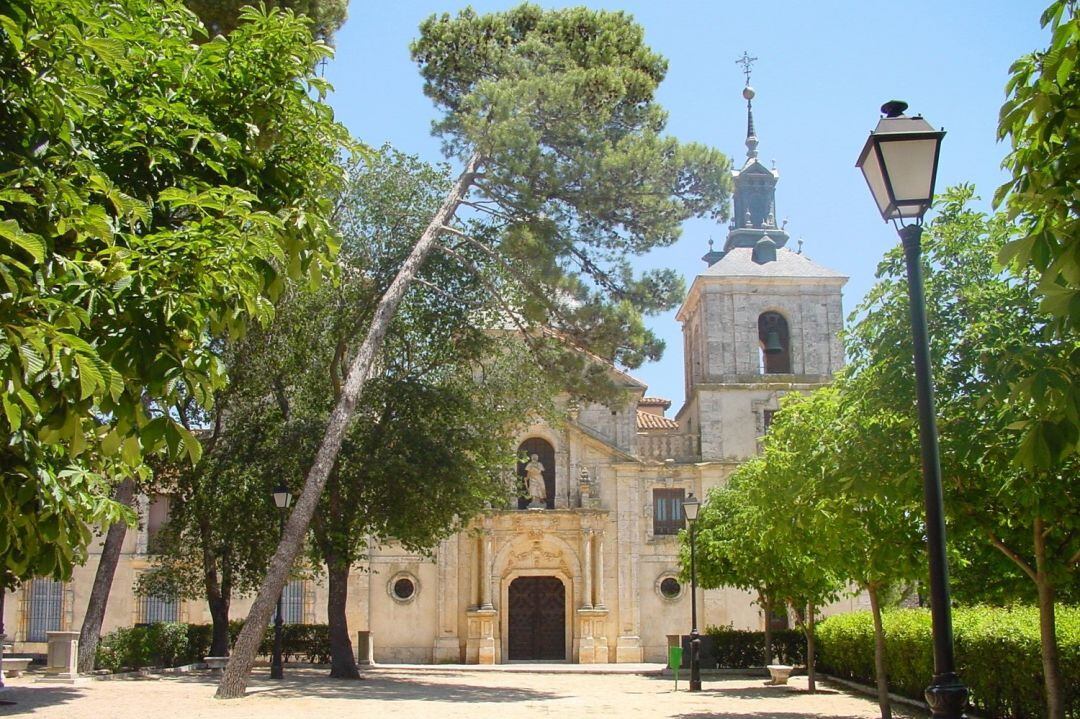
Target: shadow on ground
[759, 715]
[27, 699]
[382, 687]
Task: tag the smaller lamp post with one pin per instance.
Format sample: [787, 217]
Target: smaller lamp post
[690, 506]
[282, 500]
[899, 161]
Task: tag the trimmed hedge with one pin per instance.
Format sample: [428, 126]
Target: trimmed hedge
[742, 649]
[997, 655]
[169, 644]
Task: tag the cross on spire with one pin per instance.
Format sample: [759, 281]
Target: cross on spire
[747, 63]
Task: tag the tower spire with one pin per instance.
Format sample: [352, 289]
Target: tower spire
[747, 63]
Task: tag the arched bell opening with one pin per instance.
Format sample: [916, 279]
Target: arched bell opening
[775, 343]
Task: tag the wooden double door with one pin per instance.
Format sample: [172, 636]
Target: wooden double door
[537, 620]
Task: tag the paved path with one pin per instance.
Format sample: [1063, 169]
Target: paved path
[440, 692]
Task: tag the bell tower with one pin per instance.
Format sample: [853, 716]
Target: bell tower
[760, 321]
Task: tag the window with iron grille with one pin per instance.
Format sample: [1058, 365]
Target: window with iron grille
[159, 609]
[46, 609]
[667, 510]
[292, 603]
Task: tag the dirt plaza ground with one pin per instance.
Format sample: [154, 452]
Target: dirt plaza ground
[442, 692]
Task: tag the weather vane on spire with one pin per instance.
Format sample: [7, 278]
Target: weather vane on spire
[747, 63]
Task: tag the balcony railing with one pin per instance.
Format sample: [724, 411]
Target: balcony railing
[679, 447]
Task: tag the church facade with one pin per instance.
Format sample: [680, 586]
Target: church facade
[587, 571]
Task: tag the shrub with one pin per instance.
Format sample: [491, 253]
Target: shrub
[997, 655]
[169, 644]
[741, 649]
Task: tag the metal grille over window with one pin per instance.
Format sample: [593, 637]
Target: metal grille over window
[292, 602]
[160, 609]
[667, 510]
[46, 608]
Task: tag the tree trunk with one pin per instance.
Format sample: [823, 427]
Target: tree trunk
[342, 660]
[234, 681]
[770, 605]
[103, 579]
[218, 593]
[219, 616]
[808, 628]
[1055, 693]
[881, 669]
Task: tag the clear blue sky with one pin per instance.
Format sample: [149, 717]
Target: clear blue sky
[823, 70]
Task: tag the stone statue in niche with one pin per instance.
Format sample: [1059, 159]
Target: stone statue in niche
[534, 481]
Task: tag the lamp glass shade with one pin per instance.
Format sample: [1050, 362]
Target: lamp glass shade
[690, 507]
[282, 496]
[899, 162]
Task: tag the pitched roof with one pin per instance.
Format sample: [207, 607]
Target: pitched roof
[739, 262]
[648, 420]
[654, 402]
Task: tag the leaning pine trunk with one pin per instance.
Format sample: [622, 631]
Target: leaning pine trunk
[1055, 699]
[881, 669]
[811, 672]
[234, 681]
[103, 579]
[342, 660]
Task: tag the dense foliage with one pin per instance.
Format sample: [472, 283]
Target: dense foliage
[1040, 120]
[324, 17]
[170, 644]
[997, 654]
[741, 649]
[154, 193]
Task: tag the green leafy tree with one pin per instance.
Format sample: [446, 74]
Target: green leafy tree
[433, 433]
[841, 463]
[153, 194]
[761, 533]
[729, 553]
[981, 320]
[1039, 119]
[553, 116]
[223, 16]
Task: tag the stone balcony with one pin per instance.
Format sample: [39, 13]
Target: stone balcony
[661, 446]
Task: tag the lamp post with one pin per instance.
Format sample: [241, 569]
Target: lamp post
[690, 506]
[899, 162]
[282, 500]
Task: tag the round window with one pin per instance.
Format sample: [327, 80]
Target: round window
[670, 588]
[404, 588]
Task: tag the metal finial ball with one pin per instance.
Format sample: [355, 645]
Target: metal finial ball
[748, 93]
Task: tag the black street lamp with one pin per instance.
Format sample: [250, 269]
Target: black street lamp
[282, 500]
[900, 162]
[690, 507]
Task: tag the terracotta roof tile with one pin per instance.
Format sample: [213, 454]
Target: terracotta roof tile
[647, 420]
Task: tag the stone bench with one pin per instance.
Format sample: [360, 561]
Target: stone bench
[779, 673]
[216, 664]
[14, 666]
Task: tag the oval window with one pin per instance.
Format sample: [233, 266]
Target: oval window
[670, 588]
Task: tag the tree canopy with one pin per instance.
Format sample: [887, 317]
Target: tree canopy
[154, 194]
[553, 114]
[1040, 120]
[220, 17]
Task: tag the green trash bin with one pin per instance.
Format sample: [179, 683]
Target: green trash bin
[674, 661]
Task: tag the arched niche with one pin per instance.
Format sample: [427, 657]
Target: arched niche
[546, 454]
